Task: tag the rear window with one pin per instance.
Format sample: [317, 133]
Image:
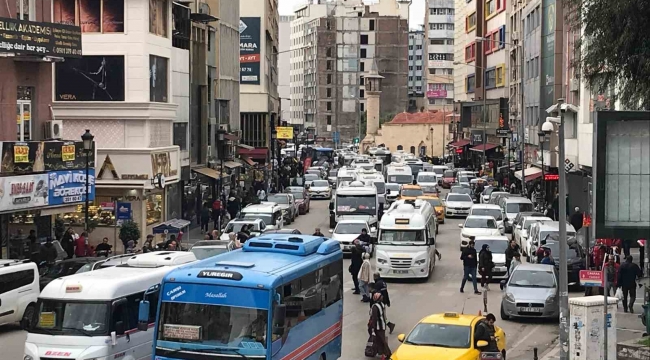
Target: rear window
[514, 208]
[449, 173]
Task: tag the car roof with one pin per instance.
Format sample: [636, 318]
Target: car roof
[517, 200]
[462, 319]
[409, 186]
[492, 237]
[352, 221]
[486, 206]
[480, 217]
[553, 226]
[529, 266]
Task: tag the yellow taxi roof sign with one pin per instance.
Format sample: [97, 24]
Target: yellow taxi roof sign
[451, 314]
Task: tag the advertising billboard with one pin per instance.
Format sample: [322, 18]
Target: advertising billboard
[249, 50]
[22, 37]
[436, 94]
[91, 78]
[94, 16]
[68, 186]
[37, 156]
[158, 78]
[23, 192]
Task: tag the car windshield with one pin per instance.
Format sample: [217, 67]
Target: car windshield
[298, 194]
[412, 192]
[236, 227]
[496, 246]
[267, 218]
[480, 223]
[381, 187]
[402, 237]
[72, 318]
[209, 251]
[64, 269]
[449, 174]
[440, 335]
[431, 189]
[439, 171]
[350, 228]
[573, 251]
[434, 202]
[392, 187]
[463, 179]
[529, 223]
[400, 179]
[461, 190]
[213, 325]
[356, 204]
[514, 208]
[320, 183]
[277, 198]
[427, 179]
[311, 177]
[533, 278]
[495, 213]
[459, 197]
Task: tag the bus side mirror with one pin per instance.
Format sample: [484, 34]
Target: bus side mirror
[143, 315]
[279, 319]
[119, 328]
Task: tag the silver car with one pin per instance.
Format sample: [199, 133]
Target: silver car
[531, 292]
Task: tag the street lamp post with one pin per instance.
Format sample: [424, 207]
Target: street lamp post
[542, 139]
[221, 149]
[87, 138]
[443, 141]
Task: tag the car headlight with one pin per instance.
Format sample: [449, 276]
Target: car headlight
[420, 262]
[27, 357]
[382, 261]
[439, 212]
[550, 299]
[510, 297]
[465, 235]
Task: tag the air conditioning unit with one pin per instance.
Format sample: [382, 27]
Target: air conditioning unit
[53, 129]
[574, 85]
[224, 127]
[515, 35]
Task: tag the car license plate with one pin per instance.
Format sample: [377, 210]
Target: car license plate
[346, 247]
[500, 269]
[400, 271]
[530, 309]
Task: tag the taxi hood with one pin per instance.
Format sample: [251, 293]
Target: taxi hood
[416, 352]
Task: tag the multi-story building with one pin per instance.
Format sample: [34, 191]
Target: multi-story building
[259, 100]
[337, 50]
[417, 70]
[284, 66]
[440, 31]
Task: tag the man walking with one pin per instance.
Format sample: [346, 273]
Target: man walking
[513, 249]
[355, 264]
[485, 265]
[628, 272]
[469, 266]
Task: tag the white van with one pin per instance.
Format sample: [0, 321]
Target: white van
[19, 287]
[399, 173]
[406, 246]
[269, 212]
[94, 315]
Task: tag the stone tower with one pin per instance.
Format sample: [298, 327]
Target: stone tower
[373, 93]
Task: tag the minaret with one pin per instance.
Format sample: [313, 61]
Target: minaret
[373, 92]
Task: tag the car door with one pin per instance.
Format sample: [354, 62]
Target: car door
[8, 298]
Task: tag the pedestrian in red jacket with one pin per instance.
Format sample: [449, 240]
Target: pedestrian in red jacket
[81, 245]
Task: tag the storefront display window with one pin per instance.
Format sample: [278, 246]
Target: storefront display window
[154, 206]
[101, 211]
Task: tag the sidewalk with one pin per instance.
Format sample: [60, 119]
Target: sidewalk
[553, 354]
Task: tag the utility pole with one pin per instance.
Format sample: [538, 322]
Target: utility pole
[564, 285]
[523, 110]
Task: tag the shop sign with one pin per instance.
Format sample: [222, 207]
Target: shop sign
[249, 50]
[22, 37]
[23, 192]
[123, 212]
[38, 156]
[284, 132]
[69, 186]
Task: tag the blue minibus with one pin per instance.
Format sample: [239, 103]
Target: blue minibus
[279, 297]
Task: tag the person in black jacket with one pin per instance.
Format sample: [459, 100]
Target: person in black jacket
[380, 286]
[485, 266]
[469, 258]
[513, 249]
[485, 331]
[356, 259]
[577, 218]
[317, 232]
[628, 272]
[48, 252]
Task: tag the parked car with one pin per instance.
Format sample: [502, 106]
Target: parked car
[531, 291]
[69, 267]
[18, 292]
[478, 225]
[301, 198]
[521, 231]
[204, 249]
[287, 204]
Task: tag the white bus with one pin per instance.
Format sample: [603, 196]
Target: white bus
[355, 201]
[406, 246]
[344, 175]
[399, 173]
[94, 315]
[372, 177]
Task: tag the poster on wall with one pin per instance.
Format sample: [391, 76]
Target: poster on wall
[23, 192]
[105, 16]
[157, 78]
[249, 50]
[36, 156]
[68, 186]
[91, 78]
[158, 17]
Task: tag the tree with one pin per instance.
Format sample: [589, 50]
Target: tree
[129, 231]
[614, 50]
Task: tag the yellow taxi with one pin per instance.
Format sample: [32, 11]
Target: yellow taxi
[410, 192]
[437, 206]
[447, 336]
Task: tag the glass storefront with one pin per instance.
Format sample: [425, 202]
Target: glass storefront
[154, 205]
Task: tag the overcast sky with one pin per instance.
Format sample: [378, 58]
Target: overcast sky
[416, 12]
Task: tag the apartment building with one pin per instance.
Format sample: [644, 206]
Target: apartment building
[284, 66]
[259, 100]
[334, 51]
[417, 70]
[440, 32]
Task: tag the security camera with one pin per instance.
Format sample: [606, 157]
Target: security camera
[547, 126]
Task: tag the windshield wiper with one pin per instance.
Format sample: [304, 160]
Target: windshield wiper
[82, 331]
[235, 351]
[46, 331]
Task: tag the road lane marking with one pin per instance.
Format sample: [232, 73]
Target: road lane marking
[521, 341]
[552, 353]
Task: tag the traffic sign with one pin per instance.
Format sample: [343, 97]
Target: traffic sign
[284, 132]
[335, 137]
[591, 278]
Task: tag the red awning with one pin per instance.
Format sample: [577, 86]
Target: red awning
[484, 146]
[460, 143]
[231, 137]
[248, 160]
[257, 153]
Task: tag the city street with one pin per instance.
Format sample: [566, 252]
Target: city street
[411, 300]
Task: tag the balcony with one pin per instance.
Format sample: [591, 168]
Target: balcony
[441, 34]
[441, 49]
[441, 19]
[449, 4]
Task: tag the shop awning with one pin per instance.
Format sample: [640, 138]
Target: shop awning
[460, 143]
[247, 160]
[211, 173]
[256, 153]
[513, 166]
[173, 226]
[487, 147]
[530, 173]
[231, 137]
[231, 164]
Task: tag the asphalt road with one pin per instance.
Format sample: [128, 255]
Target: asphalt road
[411, 301]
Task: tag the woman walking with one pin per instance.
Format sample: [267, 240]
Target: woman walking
[377, 325]
[485, 266]
[364, 277]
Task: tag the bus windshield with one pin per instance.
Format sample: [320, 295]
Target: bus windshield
[402, 237]
[72, 318]
[212, 326]
[356, 204]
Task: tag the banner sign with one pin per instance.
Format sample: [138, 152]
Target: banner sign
[68, 186]
[23, 192]
[38, 156]
[23, 37]
[249, 50]
[284, 132]
[436, 93]
[123, 211]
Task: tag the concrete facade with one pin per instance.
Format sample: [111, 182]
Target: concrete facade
[417, 83]
[419, 133]
[440, 29]
[284, 66]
